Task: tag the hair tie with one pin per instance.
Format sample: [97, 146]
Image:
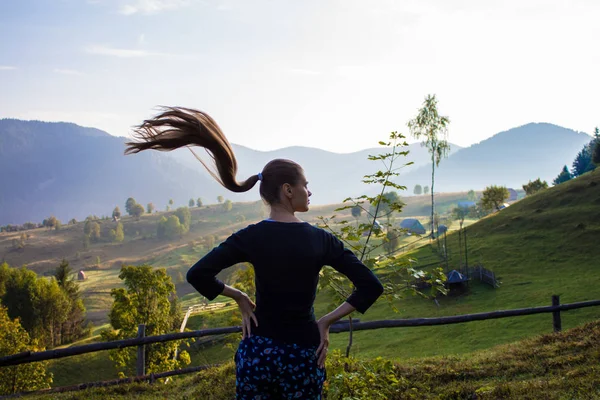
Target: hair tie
[260, 176]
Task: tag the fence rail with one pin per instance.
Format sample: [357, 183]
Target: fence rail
[555, 309]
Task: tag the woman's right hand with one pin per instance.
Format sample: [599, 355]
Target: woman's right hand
[247, 307]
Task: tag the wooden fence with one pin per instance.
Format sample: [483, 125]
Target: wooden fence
[141, 341]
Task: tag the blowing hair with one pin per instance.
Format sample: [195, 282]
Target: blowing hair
[177, 127]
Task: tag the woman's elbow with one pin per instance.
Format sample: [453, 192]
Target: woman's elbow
[378, 289]
[190, 276]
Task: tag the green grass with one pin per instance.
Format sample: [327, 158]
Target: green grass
[539, 246]
[552, 367]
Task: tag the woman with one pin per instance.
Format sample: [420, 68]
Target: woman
[283, 348]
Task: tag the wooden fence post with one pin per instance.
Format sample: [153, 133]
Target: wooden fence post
[556, 322]
[141, 352]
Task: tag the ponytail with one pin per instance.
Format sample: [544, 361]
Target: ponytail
[178, 127]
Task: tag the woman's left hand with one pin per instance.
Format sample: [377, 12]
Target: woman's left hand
[247, 307]
[323, 325]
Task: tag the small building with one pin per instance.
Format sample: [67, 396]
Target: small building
[503, 206]
[512, 195]
[456, 282]
[442, 229]
[81, 275]
[413, 226]
[377, 228]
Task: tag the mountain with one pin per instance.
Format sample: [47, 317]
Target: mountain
[332, 176]
[510, 158]
[69, 171]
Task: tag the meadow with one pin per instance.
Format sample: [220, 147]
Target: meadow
[539, 246]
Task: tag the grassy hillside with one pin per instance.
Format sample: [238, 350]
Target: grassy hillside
[540, 246]
[553, 366]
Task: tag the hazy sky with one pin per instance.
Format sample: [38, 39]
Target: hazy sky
[334, 74]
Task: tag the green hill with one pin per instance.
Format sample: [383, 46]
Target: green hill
[540, 246]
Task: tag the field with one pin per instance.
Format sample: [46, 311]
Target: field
[537, 247]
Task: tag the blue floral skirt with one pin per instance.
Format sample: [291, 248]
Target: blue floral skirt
[270, 369]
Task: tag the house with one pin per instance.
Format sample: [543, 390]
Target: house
[503, 206]
[413, 226]
[442, 229]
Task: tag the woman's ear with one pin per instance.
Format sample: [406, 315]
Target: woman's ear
[287, 190]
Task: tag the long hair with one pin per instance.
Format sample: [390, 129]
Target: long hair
[177, 127]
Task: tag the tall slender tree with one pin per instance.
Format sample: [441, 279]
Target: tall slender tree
[432, 129]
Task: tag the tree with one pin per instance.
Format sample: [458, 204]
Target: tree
[227, 205]
[73, 221]
[24, 377]
[129, 205]
[494, 196]
[92, 230]
[150, 208]
[116, 214]
[209, 242]
[40, 304]
[402, 273]
[535, 186]
[148, 298]
[51, 222]
[471, 195]
[460, 213]
[244, 280]
[169, 228]
[191, 203]
[426, 190]
[583, 161]
[392, 240]
[564, 176]
[356, 213]
[389, 202]
[432, 129]
[596, 154]
[418, 190]
[220, 199]
[170, 202]
[117, 235]
[185, 218]
[137, 210]
[198, 202]
[73, 328]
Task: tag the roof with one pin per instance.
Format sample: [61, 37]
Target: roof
[456, 277]
[442, 229]
[413, 226]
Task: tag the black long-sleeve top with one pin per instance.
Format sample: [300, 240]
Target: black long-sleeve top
[287, 258]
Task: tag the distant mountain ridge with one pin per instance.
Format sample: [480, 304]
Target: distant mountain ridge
[509, 158]
[69, 171]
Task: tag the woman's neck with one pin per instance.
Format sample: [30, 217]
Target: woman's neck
[282, 214]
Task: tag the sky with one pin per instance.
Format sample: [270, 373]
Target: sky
[333, 74]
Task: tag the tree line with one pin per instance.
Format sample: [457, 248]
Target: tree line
[586, 160]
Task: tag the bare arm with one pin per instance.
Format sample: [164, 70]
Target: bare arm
[324, 323]
[246, 306]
